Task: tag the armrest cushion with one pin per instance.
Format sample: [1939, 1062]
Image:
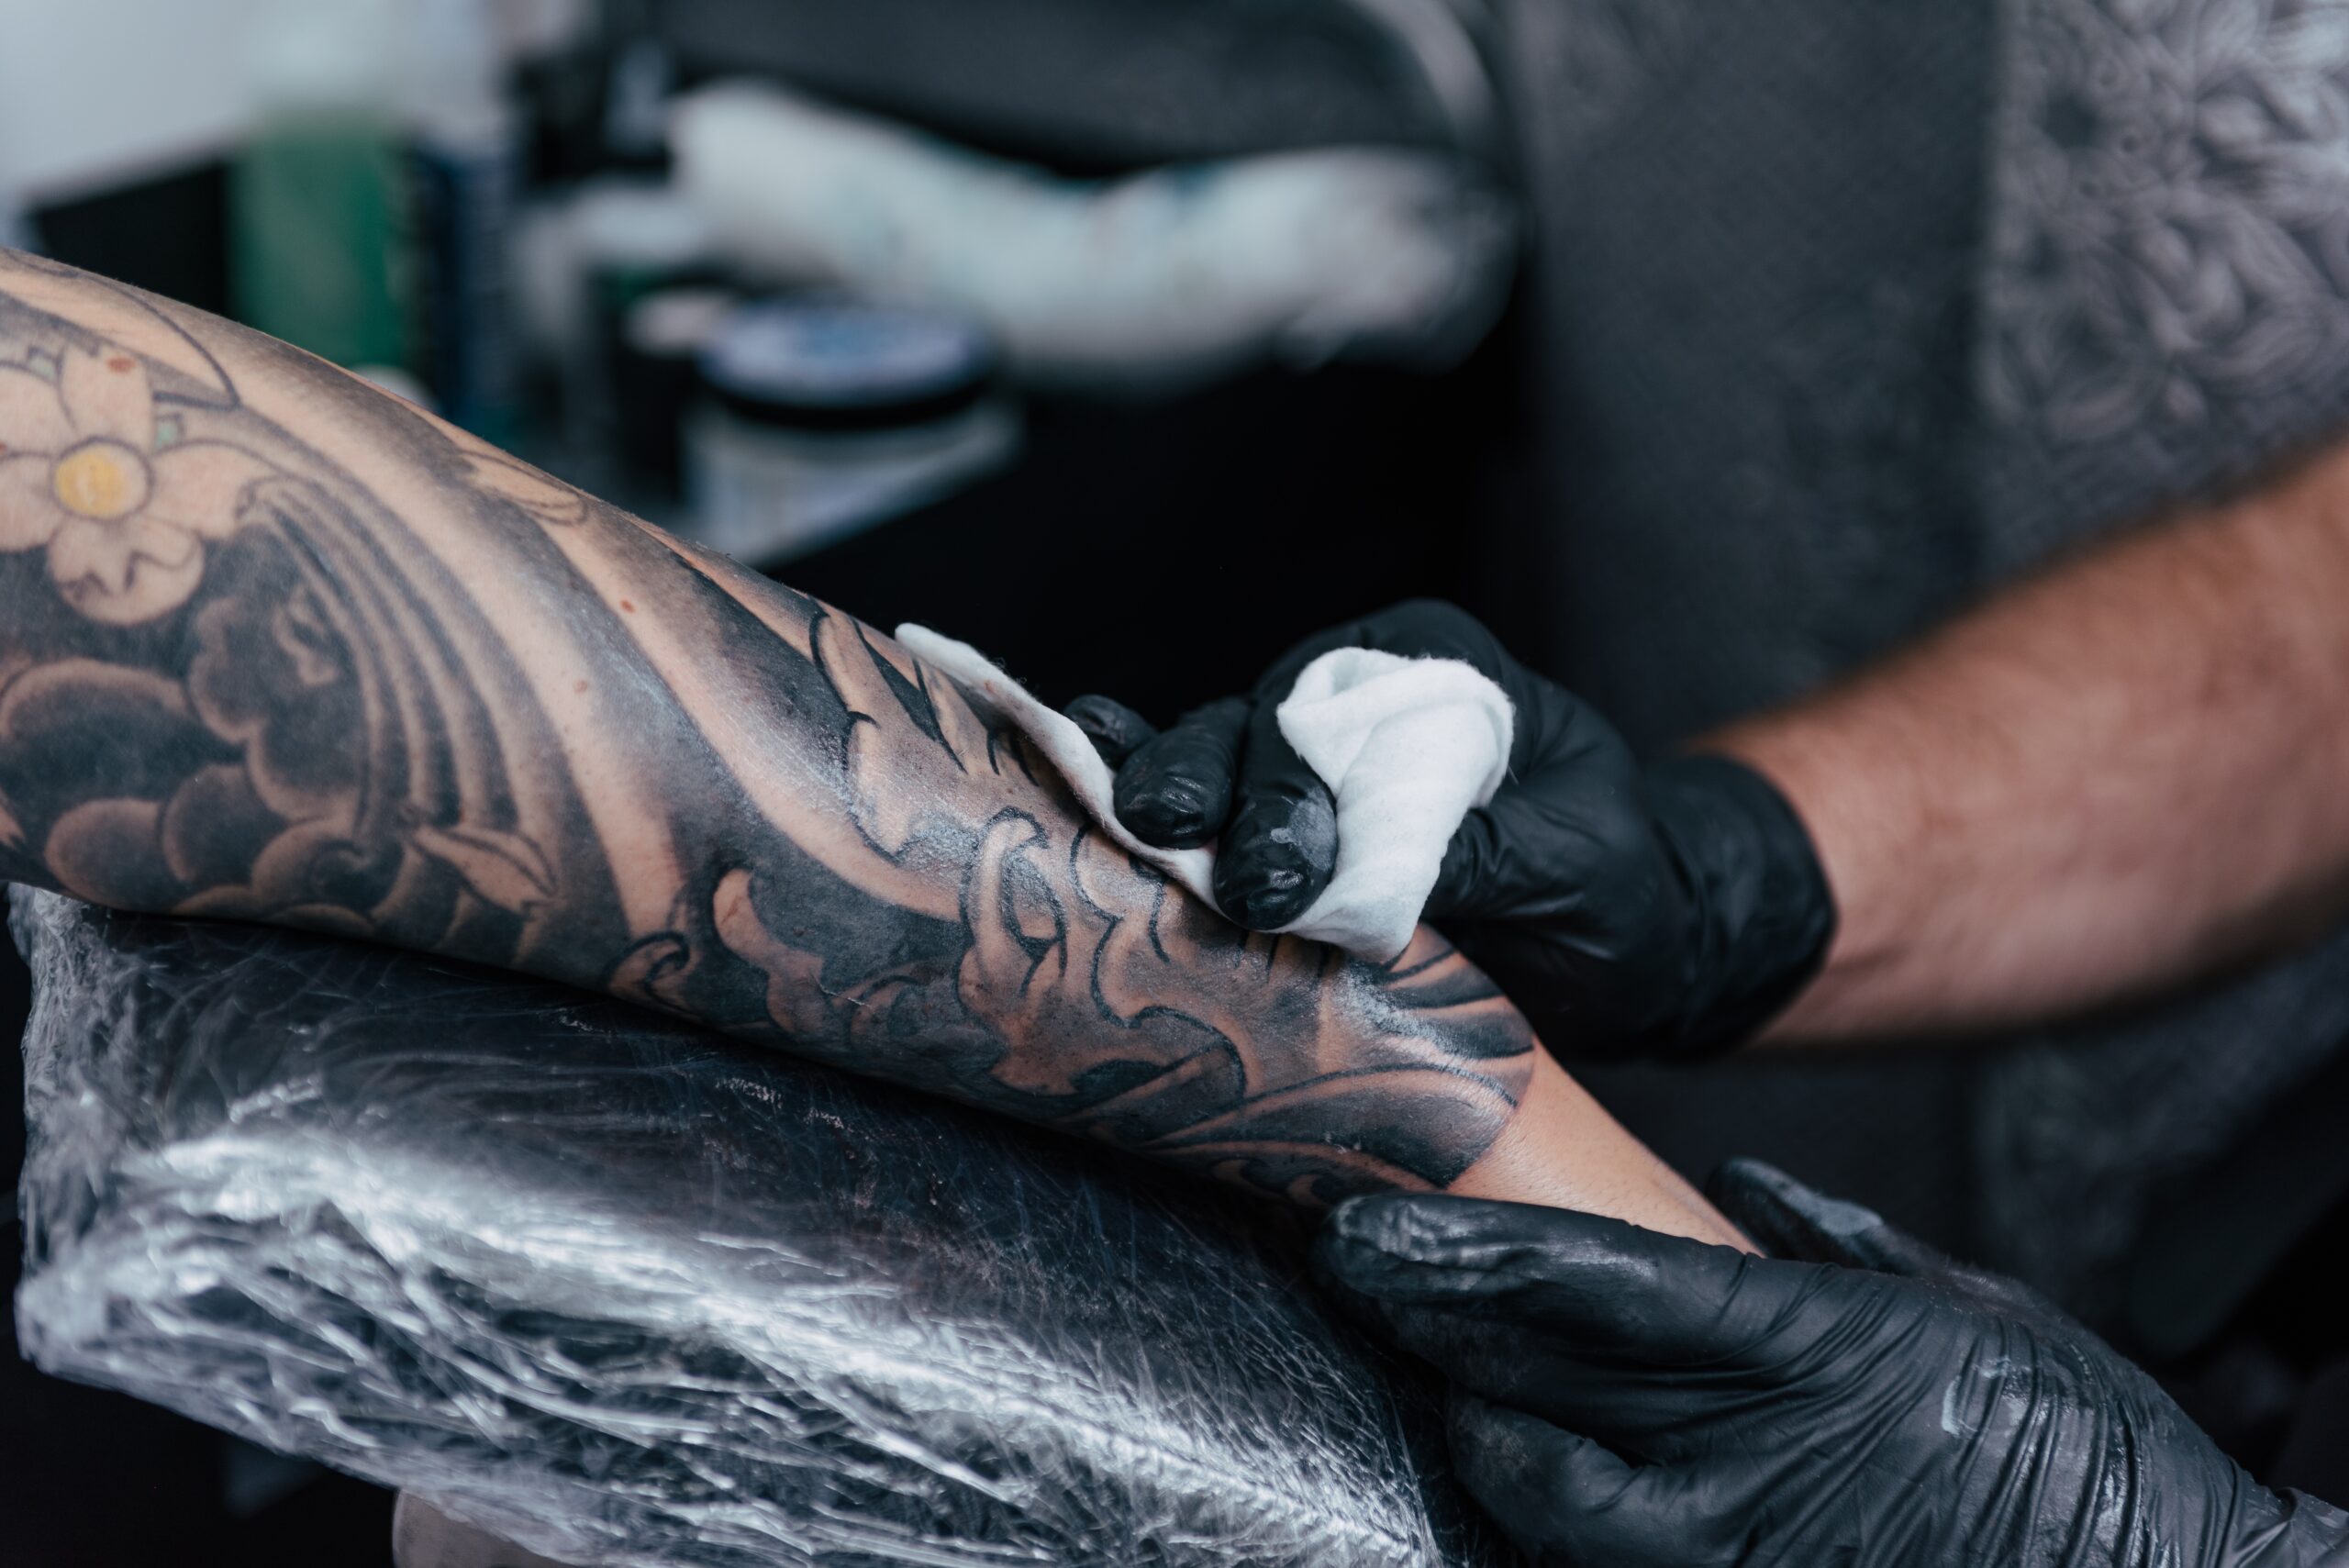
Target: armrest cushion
[622, 1291]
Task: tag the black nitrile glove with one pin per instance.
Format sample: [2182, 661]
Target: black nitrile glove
[1670, 912]
[1626, 1398]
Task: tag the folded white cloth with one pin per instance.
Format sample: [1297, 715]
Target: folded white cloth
[1152, 280]
[1407, 746]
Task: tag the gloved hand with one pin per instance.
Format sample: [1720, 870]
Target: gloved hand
[1628, 1398]
[1667, 912]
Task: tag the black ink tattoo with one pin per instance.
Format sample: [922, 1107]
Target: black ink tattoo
[468, 710]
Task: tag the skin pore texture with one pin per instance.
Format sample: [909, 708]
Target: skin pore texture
[2121, 775]
[277, 647]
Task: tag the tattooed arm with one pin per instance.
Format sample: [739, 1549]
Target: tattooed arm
[276, 647]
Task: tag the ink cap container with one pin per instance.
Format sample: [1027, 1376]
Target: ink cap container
[654, 381]
[821, 417]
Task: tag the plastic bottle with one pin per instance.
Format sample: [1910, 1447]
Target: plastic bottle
[820, 419]
[318, 195]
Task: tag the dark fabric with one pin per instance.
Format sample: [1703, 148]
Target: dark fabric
[2165, 308]
[623, 1291]
[1847, 312]
[2315, 1452]
[1756, 229]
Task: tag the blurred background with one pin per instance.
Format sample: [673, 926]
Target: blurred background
[1703, 351]
[1129, 348]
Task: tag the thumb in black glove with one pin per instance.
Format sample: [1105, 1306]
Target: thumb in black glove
[1671, 911]
[1628, 1399]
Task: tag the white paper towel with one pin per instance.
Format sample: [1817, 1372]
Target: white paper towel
[1407, 746]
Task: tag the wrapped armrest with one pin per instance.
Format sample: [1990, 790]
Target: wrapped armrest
[625, 1293]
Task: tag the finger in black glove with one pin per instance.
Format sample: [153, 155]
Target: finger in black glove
[1630, 1399]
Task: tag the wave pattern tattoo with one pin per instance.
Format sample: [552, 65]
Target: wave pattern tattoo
[448, 703]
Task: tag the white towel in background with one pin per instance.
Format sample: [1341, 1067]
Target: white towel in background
[1407, 746]
[1152, 281]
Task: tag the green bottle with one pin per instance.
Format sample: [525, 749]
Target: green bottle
[317, 196]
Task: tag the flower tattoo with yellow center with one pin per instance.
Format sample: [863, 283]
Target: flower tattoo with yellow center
[91, 471]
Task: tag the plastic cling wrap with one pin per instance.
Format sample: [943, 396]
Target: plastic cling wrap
[624, 1293]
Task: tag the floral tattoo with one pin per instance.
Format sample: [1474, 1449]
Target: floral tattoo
[458, 707]
[90, 470]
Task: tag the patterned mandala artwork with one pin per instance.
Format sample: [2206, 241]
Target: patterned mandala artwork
[2167, 276]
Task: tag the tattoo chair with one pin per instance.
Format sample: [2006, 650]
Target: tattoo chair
[616, 1290]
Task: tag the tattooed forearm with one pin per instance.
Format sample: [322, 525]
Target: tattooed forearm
[275, 646]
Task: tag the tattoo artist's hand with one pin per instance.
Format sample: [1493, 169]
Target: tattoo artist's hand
[1630, 1399]
[1668, 911]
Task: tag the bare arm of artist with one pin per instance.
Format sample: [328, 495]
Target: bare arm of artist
[2127, 773]
[276, 647]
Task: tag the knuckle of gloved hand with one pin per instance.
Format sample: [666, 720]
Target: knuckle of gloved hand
[1176, 789]
[1161, 810]
[1113, 729]
[1390, 1228]
[1166, 783]
[1621, 868]
[1582, 758]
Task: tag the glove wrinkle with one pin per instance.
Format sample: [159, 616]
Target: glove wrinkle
[1640, 1401]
